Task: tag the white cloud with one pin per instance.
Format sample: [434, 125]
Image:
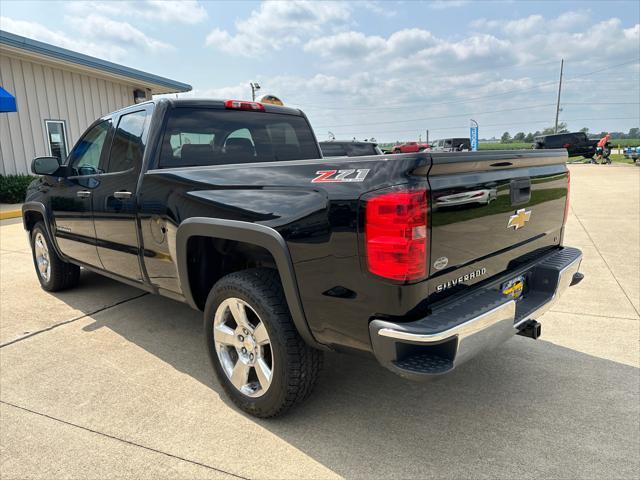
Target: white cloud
[94, 35]
[181, 12]
[444, 4]
[276, 24]
[184, 11]
[346, 44]
[115, 33]
[379, 8]
[39, 32]
[410, 48]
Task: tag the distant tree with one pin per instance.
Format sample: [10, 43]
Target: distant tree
[562, 128]
[634, 133]
[529, 138]
[506, 138]
[519, 137]
[584, 130]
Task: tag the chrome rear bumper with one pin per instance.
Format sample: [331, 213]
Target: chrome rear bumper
[480, 320]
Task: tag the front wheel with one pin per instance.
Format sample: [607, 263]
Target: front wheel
[54, 273]
[258, 356]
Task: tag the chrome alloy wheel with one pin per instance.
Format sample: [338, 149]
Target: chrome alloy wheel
[243, 347]
[42, 257]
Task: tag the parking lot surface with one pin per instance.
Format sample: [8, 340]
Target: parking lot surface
[105, 381]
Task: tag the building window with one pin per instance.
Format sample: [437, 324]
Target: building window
[57, 138]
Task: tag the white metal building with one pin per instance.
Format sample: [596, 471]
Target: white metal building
[58, 94]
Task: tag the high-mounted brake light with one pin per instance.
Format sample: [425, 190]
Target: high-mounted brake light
[396, 234]
[566, 202]
[243, 105]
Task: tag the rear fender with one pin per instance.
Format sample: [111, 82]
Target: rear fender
[252, 233]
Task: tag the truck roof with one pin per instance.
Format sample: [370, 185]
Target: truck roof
[217, 103]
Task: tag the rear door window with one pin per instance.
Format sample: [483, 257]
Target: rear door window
[207, 136]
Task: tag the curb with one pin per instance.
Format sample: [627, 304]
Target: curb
[6, 214]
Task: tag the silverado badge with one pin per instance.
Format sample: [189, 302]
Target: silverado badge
[519, 219]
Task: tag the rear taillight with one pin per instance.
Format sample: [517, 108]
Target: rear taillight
[566, 202]
[396, 234]
[243, 105]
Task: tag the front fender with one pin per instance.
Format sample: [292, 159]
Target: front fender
[252, 233]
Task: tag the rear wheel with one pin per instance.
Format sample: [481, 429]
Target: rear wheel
[259, 358]
[54, 273]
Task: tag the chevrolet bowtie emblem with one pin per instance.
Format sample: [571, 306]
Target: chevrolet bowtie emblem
[519, 219]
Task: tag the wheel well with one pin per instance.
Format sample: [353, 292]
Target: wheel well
[209, 259]
[31, 217]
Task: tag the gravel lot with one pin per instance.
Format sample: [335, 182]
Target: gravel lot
[105, 381]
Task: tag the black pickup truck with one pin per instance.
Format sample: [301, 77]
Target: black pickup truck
[229, 207]
[578, 144]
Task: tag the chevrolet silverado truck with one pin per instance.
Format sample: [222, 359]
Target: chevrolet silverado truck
[229, 207]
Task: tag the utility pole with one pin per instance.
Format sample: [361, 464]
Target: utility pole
[559, 90]
[427, 142]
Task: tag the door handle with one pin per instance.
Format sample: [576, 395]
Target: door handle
[122, 194]
[83, 193]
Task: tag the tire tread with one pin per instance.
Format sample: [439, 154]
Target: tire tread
[304, 363]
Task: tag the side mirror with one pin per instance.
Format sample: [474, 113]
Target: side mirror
[45, 165]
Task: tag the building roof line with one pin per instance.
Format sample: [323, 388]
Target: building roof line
[45, 49]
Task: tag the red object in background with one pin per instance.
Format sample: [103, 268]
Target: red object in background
[604, 140]
[410, 147]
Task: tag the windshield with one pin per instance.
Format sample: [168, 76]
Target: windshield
[204, 136]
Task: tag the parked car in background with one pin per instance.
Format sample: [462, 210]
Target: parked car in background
[632, 153]
[577, 144]
[349, 148]
[451, 145]
[410, 147]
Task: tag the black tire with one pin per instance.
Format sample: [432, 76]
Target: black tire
[62, 275]
[296, 365]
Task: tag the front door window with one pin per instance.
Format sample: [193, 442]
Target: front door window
[85, 158]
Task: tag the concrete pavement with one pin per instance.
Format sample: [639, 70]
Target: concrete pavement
[105, 381]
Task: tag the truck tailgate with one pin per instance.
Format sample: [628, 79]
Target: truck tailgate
[490, 211]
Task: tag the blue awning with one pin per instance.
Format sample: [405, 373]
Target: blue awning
[7, 101]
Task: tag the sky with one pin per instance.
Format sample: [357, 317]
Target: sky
[363, 69]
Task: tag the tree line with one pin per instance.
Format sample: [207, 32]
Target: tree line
[522, 137]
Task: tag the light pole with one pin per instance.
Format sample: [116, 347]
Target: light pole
[254, 88]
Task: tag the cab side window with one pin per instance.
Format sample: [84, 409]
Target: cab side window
[86, 155]
[128, 143]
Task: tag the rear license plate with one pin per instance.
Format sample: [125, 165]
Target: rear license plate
[513, 288]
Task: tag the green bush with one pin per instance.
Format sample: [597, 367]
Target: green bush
[13, 188]
[625, 142]
[505, 146]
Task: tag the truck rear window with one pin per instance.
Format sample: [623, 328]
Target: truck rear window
[201, 136]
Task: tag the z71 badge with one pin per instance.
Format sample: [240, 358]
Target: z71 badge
[337, 176]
